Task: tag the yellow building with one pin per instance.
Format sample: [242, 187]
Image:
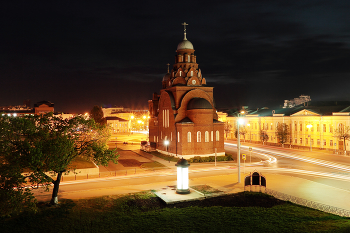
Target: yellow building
[316, 124]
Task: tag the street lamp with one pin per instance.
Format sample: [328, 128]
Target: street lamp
[309, 126]
[166, 143]
[239, 122]
[182, 176]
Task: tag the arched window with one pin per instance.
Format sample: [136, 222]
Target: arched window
[191, 72]
[189, 137]
[188, 58]
[212, 136]
[217, 135]
[199, 136]
[180, 73]
[206, 136]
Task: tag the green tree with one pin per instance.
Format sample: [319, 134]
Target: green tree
[96, 113]
[282, 133]
[342, 133]
[44, 143]
[264, 137]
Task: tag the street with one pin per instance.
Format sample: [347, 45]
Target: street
[315, 176]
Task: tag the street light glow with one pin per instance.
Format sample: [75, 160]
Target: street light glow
[241, 121]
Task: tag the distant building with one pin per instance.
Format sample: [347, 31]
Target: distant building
[325, 118]
[123, 120]
[296, 101]
[183, 120]
[20, 110]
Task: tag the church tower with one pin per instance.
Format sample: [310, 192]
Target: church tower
[183, 119]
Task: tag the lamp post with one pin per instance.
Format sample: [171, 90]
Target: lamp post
[309, 126]
[182, 176]
[166, 143]
[250, 133]
[239, 121]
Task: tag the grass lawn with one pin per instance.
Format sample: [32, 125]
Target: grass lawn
[143, 212]
[81, 163]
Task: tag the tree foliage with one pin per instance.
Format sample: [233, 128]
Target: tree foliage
[282, 133]
[242, 131]
[342, 133]
[264, 137]
[228, 128]
[32, 147]
[96, 113]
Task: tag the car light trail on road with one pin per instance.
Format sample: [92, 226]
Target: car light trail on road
[330, 175]
[294, 156]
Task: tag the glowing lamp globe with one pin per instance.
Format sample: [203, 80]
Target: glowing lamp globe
[182, 176]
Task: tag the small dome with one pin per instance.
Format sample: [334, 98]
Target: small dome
[199, 103]
[185, 44]
[182, 163]
[166, 77]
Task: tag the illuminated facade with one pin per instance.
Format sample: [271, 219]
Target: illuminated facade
[124, 120]
[183, 120]
[324, 120]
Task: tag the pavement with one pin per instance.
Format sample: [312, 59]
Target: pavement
[294, 186]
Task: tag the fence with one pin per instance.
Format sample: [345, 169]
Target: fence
[119, 173]
[308, 203]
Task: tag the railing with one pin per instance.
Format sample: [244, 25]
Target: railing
[308, 203]
[119, 173]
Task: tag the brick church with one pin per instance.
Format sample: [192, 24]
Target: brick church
[183, 119]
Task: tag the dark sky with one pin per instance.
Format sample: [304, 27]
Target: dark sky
[78, 54]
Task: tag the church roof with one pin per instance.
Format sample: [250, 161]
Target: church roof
[185, 120]
[199, 103]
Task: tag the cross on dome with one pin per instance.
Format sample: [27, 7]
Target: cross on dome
[184, 24]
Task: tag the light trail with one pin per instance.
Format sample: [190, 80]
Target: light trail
[294, 156]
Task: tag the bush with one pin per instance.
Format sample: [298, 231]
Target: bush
[198, 159]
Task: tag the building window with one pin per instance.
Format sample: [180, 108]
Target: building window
[301, 140]
[318, 142]
[188, 58]
[191, 73]
[157, 138]
[171, 136]
[331, 128]
[154, 138]
[296, 141]
[217, 135]
[189, 137]
[178, 136]
[318, 127]
[199, 136]
[306, 141]
[324, 143]
[295, 126]
[161, 135]
[324, 128]
[206, 136]
[301, 127]
[331, 142]
[212, 136]
[312, 141]
[271, 126]
[180, 73]
[256, 125]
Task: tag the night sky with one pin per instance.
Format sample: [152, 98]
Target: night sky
[78, 54]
